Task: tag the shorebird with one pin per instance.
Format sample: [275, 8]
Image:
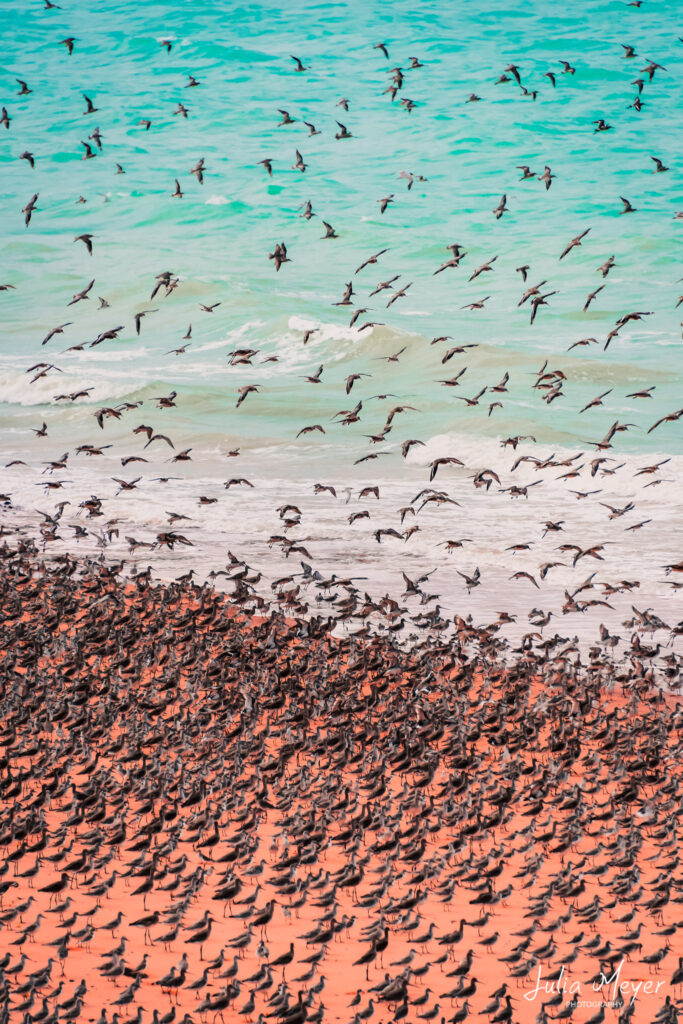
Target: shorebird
[321, 760]
[574, 243]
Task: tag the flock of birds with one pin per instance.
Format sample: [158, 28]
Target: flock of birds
[210, 817]
[300, 826]
[552, 381]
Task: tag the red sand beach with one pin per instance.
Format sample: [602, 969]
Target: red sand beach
[207, 816]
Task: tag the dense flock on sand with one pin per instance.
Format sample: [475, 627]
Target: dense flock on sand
[340, 518]
[215, 816]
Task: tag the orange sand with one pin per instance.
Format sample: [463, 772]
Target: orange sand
[360, 788]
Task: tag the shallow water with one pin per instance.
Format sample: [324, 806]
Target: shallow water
[217, 238]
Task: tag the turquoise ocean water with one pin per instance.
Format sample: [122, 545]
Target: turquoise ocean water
[216, 240]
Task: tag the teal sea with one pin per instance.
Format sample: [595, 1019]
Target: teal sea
[463, 155]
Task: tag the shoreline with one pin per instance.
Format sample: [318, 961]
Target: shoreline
[342, 788]
[380, 532]
[367, 706]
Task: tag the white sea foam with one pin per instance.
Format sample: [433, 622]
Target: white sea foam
[16, 389]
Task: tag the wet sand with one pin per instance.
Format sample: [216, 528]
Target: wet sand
[397, 818]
